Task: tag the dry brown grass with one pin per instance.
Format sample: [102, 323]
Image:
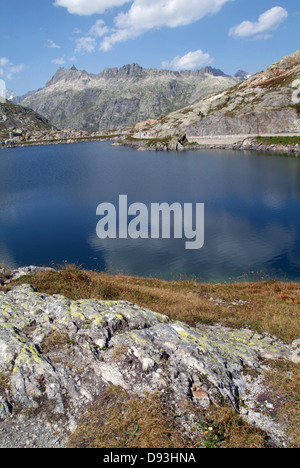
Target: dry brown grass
[223, 428]
[284, 379]
[55, 341]
[271, 307]
[120, 420]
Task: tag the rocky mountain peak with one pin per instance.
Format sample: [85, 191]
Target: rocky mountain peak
[64, 75]
[214, 71]
[127, 71]
[241, 75]
[130, 70]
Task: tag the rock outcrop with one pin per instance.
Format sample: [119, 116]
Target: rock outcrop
[57, 356]
[16, 119]
[20, 125]
[266, 103]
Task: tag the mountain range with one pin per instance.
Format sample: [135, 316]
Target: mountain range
[134, 102]
[118, 98]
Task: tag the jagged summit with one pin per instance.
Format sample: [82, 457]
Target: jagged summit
[121, 97]
[66, 76]
[127, 71]
[242, 75]
[214, 71]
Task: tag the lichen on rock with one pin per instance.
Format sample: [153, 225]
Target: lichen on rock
[58, 355]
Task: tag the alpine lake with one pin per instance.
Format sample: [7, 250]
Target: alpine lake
[49, 197]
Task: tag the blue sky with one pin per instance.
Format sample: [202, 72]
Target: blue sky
[39, 36]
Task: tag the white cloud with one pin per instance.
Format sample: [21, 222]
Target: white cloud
[58, 61]
[16, 69]
[8, 69]
[190, 61]
[88, 42]
[99, 29]
[148, 14]
[119, 35]
[63, 60]
[85, 44]
[145, 15]
[89, 7]
[3, 61]
[51, 44]
[268, 21]
[142, 15]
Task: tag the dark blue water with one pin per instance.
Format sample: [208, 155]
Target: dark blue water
[49, 196]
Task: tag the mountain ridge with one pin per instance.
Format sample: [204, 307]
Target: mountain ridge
[120, 97]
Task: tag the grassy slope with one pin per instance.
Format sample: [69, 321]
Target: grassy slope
[279, 140]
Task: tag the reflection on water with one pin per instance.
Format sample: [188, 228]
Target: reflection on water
[49, 196]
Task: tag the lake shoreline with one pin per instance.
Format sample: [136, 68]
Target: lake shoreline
[56, 142]
[145, 145]
[245, 145]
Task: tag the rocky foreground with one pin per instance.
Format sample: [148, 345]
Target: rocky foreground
[57, 357]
